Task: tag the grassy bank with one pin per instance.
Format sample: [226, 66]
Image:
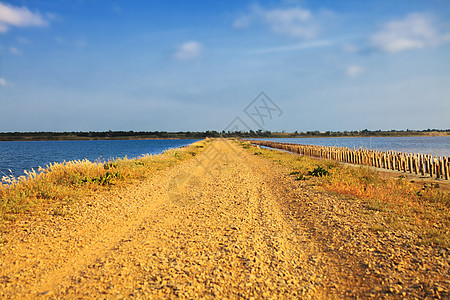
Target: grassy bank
[61, 185]
[425, 210]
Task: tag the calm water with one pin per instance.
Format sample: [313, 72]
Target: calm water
[434, 145]
[20, 156]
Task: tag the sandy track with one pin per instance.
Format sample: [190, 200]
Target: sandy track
[226, 224]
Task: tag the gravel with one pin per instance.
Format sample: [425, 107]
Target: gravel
[225, 224]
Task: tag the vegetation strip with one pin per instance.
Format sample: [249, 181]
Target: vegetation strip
[424, 210]
[137, 135]
[438, 167]
[61, 184]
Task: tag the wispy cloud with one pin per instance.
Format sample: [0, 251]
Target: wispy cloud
[53, 17]
[117, 9]
[296, 47]
[3, 82]
[350, 48]
[23, 40]
[15, 51]
[79, 43]
[243, 21]
[354, 71]
[18, 16]
[416, 31]
[188, 50]
[296, 21]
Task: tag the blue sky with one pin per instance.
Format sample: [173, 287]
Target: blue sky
[196, 65]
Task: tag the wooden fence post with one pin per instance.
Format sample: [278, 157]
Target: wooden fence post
[417, 163]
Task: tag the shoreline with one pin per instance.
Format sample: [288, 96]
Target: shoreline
[94, 139]
[92, 136]
[194, 138]
[443, 134]
[100, 159]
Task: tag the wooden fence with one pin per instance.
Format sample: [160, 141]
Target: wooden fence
[438, 167]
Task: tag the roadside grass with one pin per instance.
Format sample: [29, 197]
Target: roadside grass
[406, 206]
[61, 184]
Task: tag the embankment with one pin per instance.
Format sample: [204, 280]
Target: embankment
[229, 222]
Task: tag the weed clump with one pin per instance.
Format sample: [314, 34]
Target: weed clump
[319, 171]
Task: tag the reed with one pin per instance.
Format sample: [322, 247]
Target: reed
[64, 183]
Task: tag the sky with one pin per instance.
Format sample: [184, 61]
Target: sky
[93, 65]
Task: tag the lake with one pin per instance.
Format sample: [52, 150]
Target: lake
[20, 156]
[25, 155]
[434, 145]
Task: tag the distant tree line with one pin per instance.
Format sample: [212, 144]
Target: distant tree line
[364, 132]
[118, 135]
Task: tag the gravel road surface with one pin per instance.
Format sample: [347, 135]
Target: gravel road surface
[225, 224]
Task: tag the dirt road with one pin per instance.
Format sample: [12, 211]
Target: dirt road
[225, 224]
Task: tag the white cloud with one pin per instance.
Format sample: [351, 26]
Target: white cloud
[23, 40]
[350, 48]
[18, 16]
[243, 22]
[296, 22]
[354, 71]
[188, 50]
[79, 43]
[3, 82]
[117, 9]
[416, 31]
[53, 17]
[296, 47]
[15, 51]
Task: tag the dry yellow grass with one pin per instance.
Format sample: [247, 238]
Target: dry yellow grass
[63, 183]
[407, 206]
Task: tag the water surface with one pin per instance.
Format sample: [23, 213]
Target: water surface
[434, 145]
[25, 155]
